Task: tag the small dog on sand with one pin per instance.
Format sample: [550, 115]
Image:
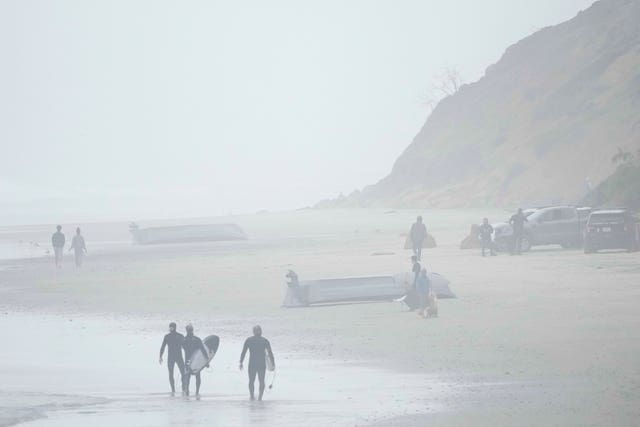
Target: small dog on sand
[432, 308]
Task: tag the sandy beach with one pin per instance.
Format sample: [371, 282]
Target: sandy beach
[550, 337]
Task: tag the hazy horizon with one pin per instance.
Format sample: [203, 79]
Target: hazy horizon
[122, 110]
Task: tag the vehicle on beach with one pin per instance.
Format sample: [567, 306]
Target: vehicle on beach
[612, 229]
[186, 233]
[552, 225]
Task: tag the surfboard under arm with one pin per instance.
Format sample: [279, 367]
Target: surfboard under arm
[271, 366]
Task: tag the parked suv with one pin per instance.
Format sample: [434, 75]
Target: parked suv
[559, 225]
[611, 229]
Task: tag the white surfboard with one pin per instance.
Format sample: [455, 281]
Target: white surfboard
[199, 361]
[271, 366]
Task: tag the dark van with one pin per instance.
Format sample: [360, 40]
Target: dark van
[611, 229]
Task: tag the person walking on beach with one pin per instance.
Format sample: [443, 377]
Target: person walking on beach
[191, 344]
[173, 340]
[517, 222]
[259, 349]
[57, 241]
[423, 287]
[485, 232]
[79, 247]
[418, 234]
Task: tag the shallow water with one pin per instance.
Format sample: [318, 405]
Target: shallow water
[79, 371]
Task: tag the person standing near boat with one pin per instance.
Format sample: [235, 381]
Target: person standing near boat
[411, 297]
[57, 241]
[423, 286]
[415, 269]
[79, 247]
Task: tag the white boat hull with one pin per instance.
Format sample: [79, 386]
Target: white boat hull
[187, 233]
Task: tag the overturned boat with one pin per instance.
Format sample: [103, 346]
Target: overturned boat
[186, 233]
[304, 293]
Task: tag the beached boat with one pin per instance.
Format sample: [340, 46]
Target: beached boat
[302, 293]
[186, 233]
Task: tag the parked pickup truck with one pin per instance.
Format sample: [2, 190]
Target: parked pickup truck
[553, 225]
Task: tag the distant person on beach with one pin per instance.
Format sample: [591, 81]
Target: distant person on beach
[259, 349]
[173, 340]
[411, 297]
[418, 234]
[79, 247]
[293, 281]
[423, 287]
[485, 232]
[517, 222]
[191, 345]
[57, 241]
[415, 269]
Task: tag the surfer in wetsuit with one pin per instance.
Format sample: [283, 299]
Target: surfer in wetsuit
[173, 340]
[259, 349]
[191, 344]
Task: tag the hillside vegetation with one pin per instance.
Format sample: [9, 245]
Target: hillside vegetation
[622, 188]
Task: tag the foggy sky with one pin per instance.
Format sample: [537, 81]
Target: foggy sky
[129, 109]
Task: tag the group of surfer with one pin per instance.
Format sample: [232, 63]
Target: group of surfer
[78, 246]
[258, 347]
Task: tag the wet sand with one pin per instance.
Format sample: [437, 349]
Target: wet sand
[112, 376]
[548, 337]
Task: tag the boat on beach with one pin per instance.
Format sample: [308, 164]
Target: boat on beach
[304, 293]
[186, 233]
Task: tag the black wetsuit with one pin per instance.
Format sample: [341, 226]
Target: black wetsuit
[191, 344]
[258, 348]
[173, 340]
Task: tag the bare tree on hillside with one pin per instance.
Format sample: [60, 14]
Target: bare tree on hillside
[448, 82]
[445, 84]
